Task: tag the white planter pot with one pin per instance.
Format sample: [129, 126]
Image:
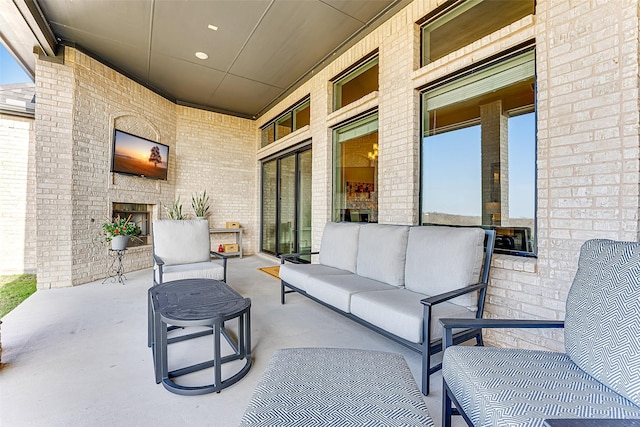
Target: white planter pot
[119, 243]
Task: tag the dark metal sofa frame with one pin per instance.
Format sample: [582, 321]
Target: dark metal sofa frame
[434, 347]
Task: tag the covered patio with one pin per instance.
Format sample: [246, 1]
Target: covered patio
[79, 355]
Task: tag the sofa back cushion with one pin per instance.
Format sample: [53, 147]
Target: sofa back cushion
[181, 241]
[381, 253]
[603, 315]
[441, 259]
[339, 245]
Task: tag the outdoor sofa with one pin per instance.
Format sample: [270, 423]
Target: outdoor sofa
[398, 280]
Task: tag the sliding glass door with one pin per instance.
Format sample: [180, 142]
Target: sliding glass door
[286, 203]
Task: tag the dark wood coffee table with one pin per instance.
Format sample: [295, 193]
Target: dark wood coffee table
[198, 302]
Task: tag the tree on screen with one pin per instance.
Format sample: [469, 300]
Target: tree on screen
[155, 156]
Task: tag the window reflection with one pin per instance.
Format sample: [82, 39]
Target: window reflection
[463, 22]
[355, 196]
[362, 81]
[291, 120]
[479, 152]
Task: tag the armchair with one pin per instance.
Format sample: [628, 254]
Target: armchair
[182, 250]
[596, 376]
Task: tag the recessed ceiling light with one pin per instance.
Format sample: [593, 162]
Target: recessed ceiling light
[201, 55]
[212, 27]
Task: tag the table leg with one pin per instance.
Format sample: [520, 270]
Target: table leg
[217, 359]
[160, 350]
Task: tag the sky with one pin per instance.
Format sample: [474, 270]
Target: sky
[452, 176]
[10, 71]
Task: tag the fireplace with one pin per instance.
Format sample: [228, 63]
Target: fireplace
[141, 215]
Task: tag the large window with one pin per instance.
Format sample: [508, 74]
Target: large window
[459, 23]
[355, 178]
[291, 120]
[479, 151]
[286, 202]
[356, 83]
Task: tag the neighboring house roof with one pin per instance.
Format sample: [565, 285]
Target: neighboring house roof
[18, 99]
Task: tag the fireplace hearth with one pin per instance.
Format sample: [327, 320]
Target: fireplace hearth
[141, 215]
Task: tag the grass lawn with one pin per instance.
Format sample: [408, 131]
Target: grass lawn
[15, 289]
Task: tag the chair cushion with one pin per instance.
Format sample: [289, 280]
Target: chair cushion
[298, 274]
[515, 387]
[602, 321]
[199, 270]
[336, 387]
[336, 290]
[441, 259]
[381, 253]
[400, 311]
[181, 241]
[339, 245]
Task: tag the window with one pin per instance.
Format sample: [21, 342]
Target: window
[479, 151]
[293, 119]
[461, 22]
[355, 178]
[356, 83]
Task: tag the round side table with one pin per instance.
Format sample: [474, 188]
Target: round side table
[199, 302]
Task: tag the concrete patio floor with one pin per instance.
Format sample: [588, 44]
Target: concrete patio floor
[79, 357]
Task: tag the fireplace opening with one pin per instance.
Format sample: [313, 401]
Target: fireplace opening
[141, 215]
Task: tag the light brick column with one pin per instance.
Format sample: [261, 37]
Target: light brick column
[495, 164]
[54, 174]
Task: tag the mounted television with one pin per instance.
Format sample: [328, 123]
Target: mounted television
[133, 155]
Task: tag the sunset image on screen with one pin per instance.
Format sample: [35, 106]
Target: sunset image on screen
[138, 156]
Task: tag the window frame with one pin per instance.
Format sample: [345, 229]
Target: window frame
[460, 75]
[444, 14]
[359, 68]
[290, 114]
[366, 119]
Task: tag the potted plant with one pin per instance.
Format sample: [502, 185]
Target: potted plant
[118, 231]
[200, 204]
[174, 211]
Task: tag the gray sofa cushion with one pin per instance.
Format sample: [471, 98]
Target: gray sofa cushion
[181, 241]
[199, 270]
[339, 245]
[441, 259]
[399, 311]
[603, 315]
[298, 274]
[337, 290]
[515, 387]
[381, 253]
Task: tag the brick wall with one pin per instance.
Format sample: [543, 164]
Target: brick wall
[588, 145]
[17, 198]
[54, 174]
[79, 105]
[217, 153]
[588, 148]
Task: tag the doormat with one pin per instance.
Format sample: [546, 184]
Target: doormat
[271, 271]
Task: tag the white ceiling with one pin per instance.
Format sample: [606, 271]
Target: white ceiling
[261, 51]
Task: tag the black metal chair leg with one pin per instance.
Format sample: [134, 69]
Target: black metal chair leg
[446, 406]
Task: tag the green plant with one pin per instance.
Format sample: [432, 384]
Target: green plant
[15, 289]
[119, 226]
[200, 204]
[174, 211]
